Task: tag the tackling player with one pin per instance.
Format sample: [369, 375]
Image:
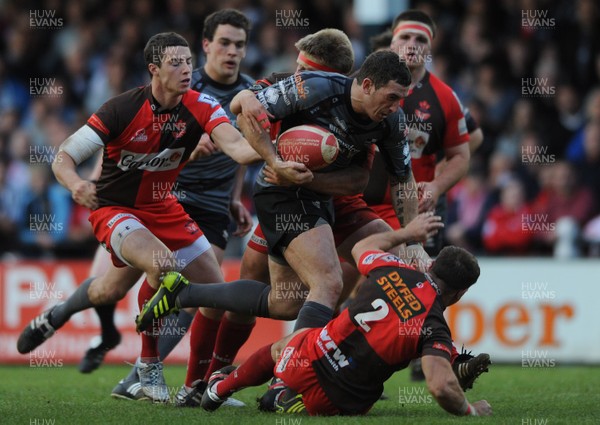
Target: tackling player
[397, 316]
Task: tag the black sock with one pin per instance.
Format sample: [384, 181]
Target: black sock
[106, 314]
[172, 331]
[77, 302]
[313, 315]
[240, 296]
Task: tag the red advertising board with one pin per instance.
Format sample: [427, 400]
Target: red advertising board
[28, 288]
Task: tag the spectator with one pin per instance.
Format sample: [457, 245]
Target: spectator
[507, 229]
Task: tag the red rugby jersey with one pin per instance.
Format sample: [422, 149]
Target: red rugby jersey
[396, 316]
[145, 146]
[434, 122]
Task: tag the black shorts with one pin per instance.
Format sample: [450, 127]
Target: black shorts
[285, 213]
[214, 225]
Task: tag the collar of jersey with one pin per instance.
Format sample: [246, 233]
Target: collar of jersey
[157, 109]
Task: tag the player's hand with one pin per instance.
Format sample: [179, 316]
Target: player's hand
[272, 177]
[252, 107]
[84, 193]
[204, 148]
[294, 172]
[424, 226]
[242, 217]
[251, 128]
[482, 407]
[428, 196]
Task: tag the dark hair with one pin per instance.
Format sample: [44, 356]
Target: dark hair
[457, 267]
[383, 66]
[415, 15]
[155, 47]
[381, 41]
[232, 17]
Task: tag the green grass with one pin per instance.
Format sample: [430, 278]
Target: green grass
[521, 396]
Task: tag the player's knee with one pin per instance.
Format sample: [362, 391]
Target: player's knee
[107, 294]
[281, 308]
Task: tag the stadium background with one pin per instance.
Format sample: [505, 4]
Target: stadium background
[528, 70]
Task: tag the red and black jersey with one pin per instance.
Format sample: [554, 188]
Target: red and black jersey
[434, 122]
[146, 147]
[396, 316]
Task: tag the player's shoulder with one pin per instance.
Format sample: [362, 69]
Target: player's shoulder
[135, 96]
[443, 90]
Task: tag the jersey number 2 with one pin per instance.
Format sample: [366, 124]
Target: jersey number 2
[381, 310]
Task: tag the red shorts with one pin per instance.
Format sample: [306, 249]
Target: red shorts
[351, 213]
[171, 225]
[386, 212]
[294, 367]
[257, 241]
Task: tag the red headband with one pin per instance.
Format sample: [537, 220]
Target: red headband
[315, 65]
[415, 26]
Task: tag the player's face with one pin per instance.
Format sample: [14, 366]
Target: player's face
[411, 46]
[225, 53]
[381, 102]
[175, 72]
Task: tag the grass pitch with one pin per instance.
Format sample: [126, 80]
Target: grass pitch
[522, 396]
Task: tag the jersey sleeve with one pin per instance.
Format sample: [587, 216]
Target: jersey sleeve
[210, 113]
[471, 122]
[104, 122]
[456, 127]
[395, 149]
[295, 93]
[437, 340]
[371, 260]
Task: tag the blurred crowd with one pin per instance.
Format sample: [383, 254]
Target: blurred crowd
[528, 70]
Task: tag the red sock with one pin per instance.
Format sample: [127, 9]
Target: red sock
[254, 371]
[149, 340]
[230, 339]
[454, 354]
[202, 341]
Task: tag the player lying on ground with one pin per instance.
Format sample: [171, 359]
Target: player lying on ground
[397, 316]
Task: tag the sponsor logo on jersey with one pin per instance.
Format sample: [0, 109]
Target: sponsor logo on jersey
[388, 258]
[140, 136]
[422, 112]
[332, 352]
[205, 98]
[168, 159]
[191, 227]
[400, 296]
[271, 95]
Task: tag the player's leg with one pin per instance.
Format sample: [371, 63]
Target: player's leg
[254, 371]
[313, 257]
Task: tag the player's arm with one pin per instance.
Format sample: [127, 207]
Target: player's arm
[404, 196]
[78, 147]
[348, 181]
[240, 214]
[444, 387]
[421, 228]
[232, 143]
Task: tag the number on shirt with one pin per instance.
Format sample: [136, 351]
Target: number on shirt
[381, 310]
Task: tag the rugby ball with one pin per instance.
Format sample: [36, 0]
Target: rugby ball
[310, 145]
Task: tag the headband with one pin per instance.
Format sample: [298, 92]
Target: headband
[415, 26]
[319, 67]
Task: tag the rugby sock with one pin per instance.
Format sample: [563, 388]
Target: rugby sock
[79, 301]
[313, 315]
[106, 315]
[173, 331]
[202, 341]
[257, 370]
[149, 345]
[169, 338]
[240, 296]
[230, 339]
